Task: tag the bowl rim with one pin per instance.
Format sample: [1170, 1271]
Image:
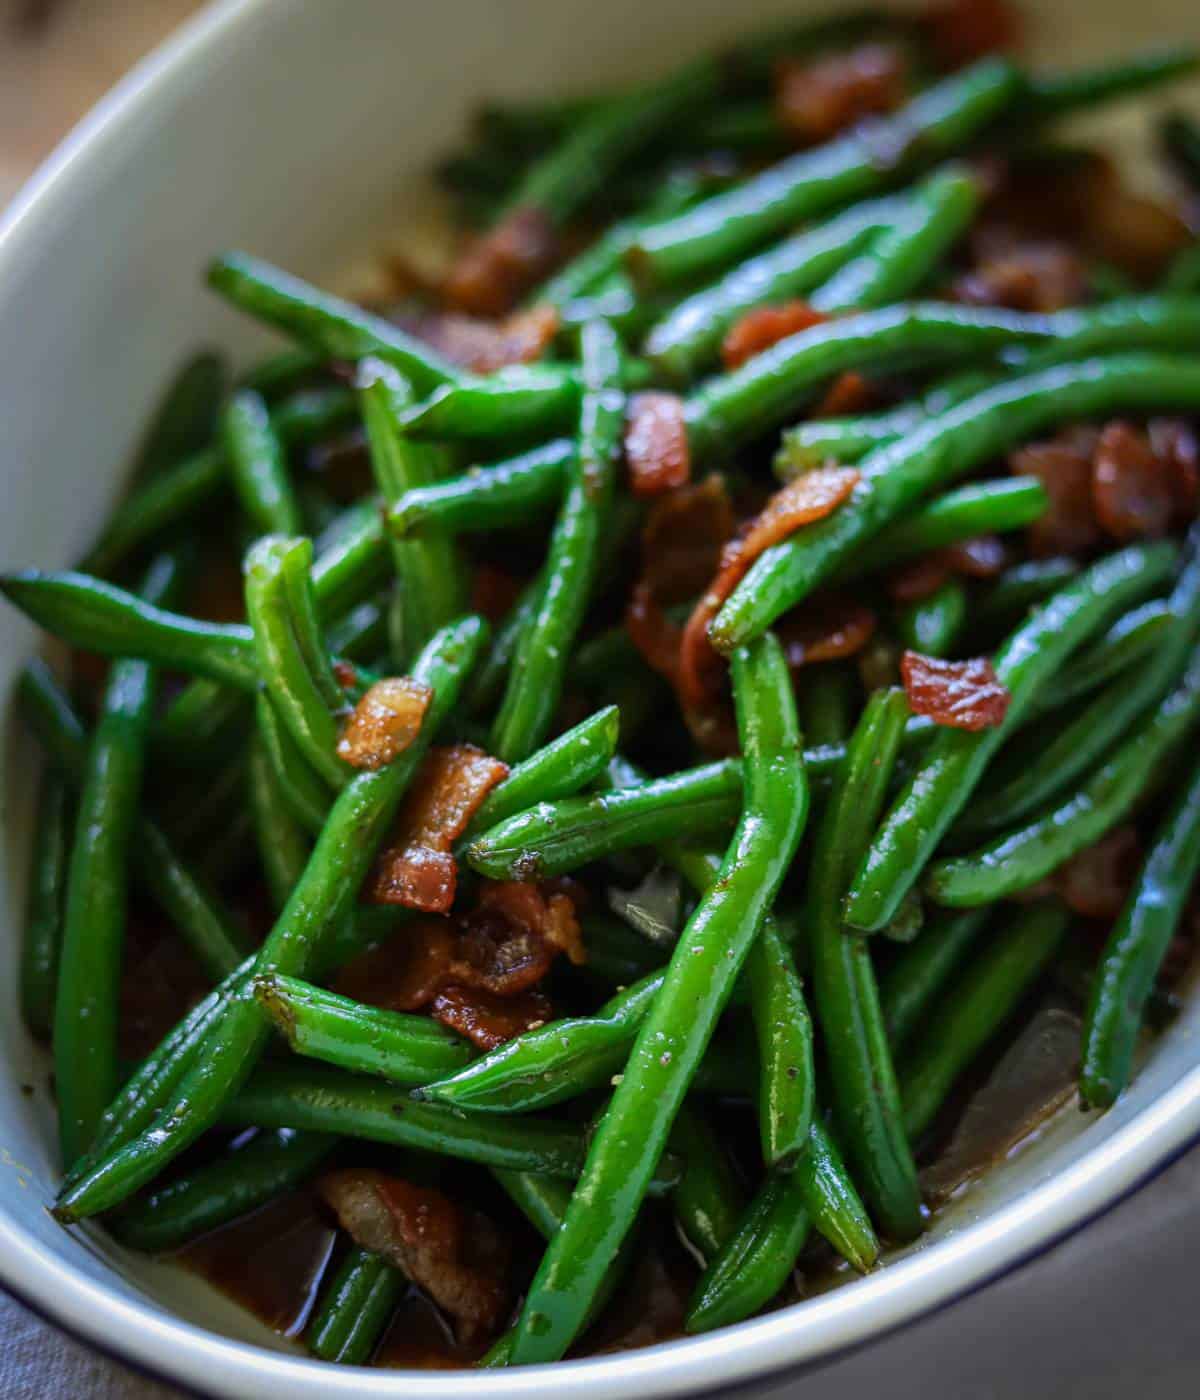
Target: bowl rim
[141, 1333]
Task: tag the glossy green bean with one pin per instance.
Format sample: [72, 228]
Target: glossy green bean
[728, 226]
[900, 259]
[933, 625]
[732, 408]
[306, 794]
[45, 900]
[975, 1007]
[507, 494]
[1020, 588]
[708, 1199]
[1054, 94]
[687, 340]
[354, 1310]
[186, 415]
[430, 588]
[220, 1191]
[866, 1100]
[783, 1028]
[403, 1049]
[916, 977]
[283, 848]
[284, 372]
[178, 492]
[320, 904]
[893, 478]
[956, 760]
[540, 662]
[675, 1034]
[1132, 639]
[256, 459]
[1136, 947]
[86, 1006]
[1021, 858]
[554, 838]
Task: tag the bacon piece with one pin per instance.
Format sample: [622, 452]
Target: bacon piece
[765, 326]
[828, 628]
[656, 444]
[850, 392]
[496, 270]
[1063, 465]
[384, 722]
[488, 1020]
[1097, 882]
[404, 974]
[1133, 490]
[1175, 442]
[417, 869]
[804, 500]
[484, 346]
[1026, 276]
[957, 694]
[817, 99]
[963, 30]
[513, 935]
[982, 557]
[682, 539]
[656, 637]
[455, 1254]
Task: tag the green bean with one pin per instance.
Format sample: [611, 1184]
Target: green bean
[256, 459]
[1133, 638]
[356, 1307]
[980, 1002]
[708, 1199]
[955, 762]
[826, 702]
[1052, 95]
[509, 493]
[556, 837]
[919, 973]
[566, 177]
[1020, 858]
[234, 1184]
[616, 954]
[284, 372]
[979, 508]
[688, 338]
[321, 902]
[732, 408]
[866, 1101]
[98, 616]
[44, 904]
[283, 849]
[933, 625]
[673, 1038]
[179, 492]
[719, 230]
[305, 794]
[895, 477]
[93, 923]
[1020, 588]
[539, 666]
[404, 1049]
[430, 589]
[785, 1053]
[322, 322]
[317, 1099]
[186, 415]
[901, 257]
[1135, 950]
[751, 1268]
[816, 441]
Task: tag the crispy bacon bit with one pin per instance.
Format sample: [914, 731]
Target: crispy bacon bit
[513, 935]
[765, 326]
[850, 392]
[485, 346]
[455, 1254]
[682, 539]
[384, 722]
[495, 271]
[486, 1019]
[1132, 487]
[982, 557]
[656, 444]
[827, 628]
[802, 501]
[1025, 276]
[1097, 882]
[1176, 443]
[418, 870]
[405, 973]
[957, 694]
[1137, 233]
[345, 674]
[963, 30]
[817, 99]
[1064, 467]
[656, 637]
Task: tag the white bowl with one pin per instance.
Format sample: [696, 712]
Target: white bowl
[294, 130]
